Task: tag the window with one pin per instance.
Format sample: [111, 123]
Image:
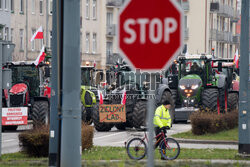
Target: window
[12, 5]
[94, 43]
[1, 5]
[109, 48]
[33, 42]
[81, 42]
[87, 9]
[109, 18]
[1, 31]
[50, 39]
[94, 9]
[6, 4]
[21, 6]
[33, 6]
[41, 44]
[41, 6]
[11, 34]
[87, 42]
[6, 34]
[21, 39]
[50, 7]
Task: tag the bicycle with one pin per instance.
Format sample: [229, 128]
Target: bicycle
[137, 147]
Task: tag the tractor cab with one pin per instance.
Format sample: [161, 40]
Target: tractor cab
[196, 66]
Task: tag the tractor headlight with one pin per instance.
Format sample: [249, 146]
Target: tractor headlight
[182, 87]
[194, 86]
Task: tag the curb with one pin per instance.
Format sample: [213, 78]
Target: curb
[193, 141]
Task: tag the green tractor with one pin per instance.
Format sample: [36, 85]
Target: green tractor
[89, 92]
[228, 68]
[197, 86]
[137, 87]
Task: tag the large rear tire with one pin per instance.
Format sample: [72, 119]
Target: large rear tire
[233, 101]
[40, 113]
[87, 114]
[99, 126]
[209, 98]
[139, 114]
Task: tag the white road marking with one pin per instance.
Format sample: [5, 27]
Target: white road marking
[114, 134]
[9, 140]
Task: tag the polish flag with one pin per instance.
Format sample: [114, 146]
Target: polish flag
[38, 34]
[94, 63]
[236, 59]
[41, 57]
[100, 97]
[124, 97]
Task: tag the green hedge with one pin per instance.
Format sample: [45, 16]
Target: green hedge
[35, 142]
[210, 122]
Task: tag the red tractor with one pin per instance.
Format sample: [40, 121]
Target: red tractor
[29, 94]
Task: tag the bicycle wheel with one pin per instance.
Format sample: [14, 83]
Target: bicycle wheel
[170, 149]
[136, 148]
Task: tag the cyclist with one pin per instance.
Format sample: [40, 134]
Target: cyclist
[162, 120]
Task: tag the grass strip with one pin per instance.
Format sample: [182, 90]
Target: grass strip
[228, 135]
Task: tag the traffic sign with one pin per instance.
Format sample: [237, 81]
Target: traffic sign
[150, 33]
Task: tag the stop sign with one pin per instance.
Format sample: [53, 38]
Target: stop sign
[150, 33]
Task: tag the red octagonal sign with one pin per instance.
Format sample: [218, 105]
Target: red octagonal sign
[150, 33]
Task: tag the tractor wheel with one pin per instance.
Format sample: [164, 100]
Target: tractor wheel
[40, 113]
[9, 128]
[139, 114]
[121, 126]
[87, 114]
[174, 95]
[209, 98]
[233, 101]
[167, 96]
[99, 126]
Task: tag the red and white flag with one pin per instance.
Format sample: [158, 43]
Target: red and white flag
[38, 34]
[100, 97]
[41, 57]
[236, 59]
[123, 97]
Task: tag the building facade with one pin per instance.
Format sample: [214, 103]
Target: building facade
[98, 32]
[211, 24]
[207, 24]
[26, 17]
[5, 13]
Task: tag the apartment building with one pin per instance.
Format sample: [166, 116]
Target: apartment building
[211, 24]
[5, 13]
[26, 17]
[98, 32]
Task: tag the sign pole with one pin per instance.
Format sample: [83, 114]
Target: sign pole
[244, 108]
[150, 116]
[1, 87]
[71, 148]
[55, 107]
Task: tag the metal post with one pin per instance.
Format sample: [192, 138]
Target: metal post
[47, 23]
[54, 144]
[150, 115]
[1, 76]
[71, 112]
[244, 109]
[27, 27]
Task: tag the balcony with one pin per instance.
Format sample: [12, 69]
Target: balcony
[113, 58]
[221, 36]
[113, 3]
[236, 16]
[186, 33]
[184, 4]
[111, 30]
[222, 10]
[236, 39]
